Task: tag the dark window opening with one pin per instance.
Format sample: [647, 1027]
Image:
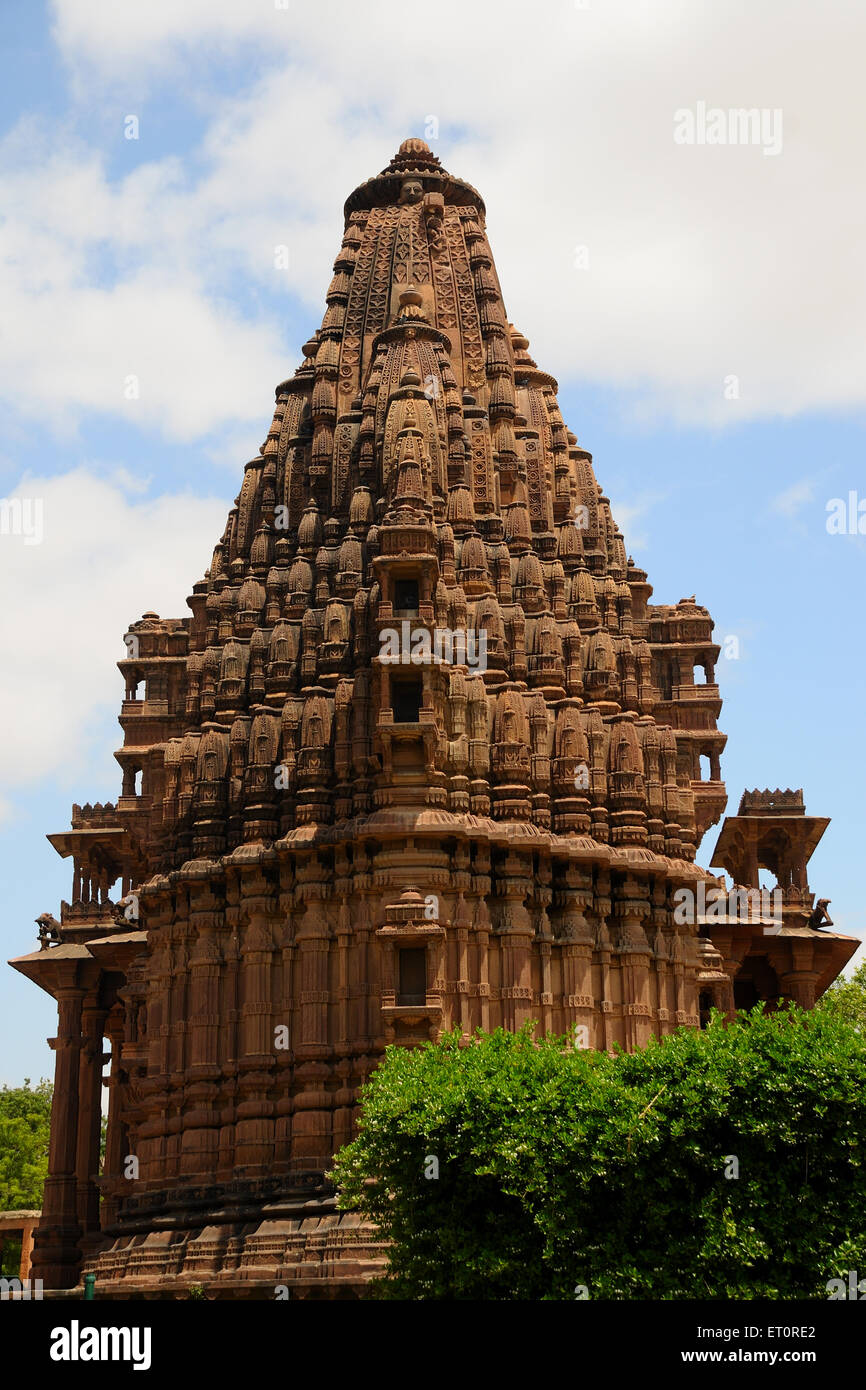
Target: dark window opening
[705, 1005]
[406, 701]
[745, 994]
[413, 976]
[757, 980]
[406, 596]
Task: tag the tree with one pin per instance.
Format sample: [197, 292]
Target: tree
[847, 998]
[717, 1163]
[25, 1116]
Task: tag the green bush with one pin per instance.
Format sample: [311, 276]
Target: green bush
[724, 1163]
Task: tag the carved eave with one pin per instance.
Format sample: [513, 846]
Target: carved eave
[67, 966]
[411, 931]
[789, 949]
[726, 847]
[117, 952]
[113, 838]
[384, 188]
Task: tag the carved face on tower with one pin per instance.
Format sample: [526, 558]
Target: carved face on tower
[411, 191]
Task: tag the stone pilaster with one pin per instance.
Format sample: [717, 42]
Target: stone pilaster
[56, 1253]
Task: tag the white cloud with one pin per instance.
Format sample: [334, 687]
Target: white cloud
[155, 350]
[794, 498]
[109, 301]
[140, 34]
[127, 481]
[704, 262]
[104, 560]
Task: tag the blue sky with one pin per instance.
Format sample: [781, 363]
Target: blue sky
[155, 257]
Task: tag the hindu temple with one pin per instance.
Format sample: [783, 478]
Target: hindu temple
[422, 755]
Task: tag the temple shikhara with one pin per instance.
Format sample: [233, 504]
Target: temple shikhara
[423, 756]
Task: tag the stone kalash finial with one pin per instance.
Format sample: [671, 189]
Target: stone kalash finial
[412, 155]
[410, 302]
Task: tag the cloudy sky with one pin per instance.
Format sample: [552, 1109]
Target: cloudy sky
[701, 303]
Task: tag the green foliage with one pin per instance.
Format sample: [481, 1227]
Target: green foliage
[10, 1264]
[847, 999]
[25, 1116]
[560, 1168]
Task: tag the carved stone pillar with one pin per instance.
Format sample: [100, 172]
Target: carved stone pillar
[541, 897]
[256, 1054]
[284, 1018]
[200, 1138]
[343, 1099]
[514, 883]
[572, 900]
[631, 909]
[800, 986]
[601, 905]
[312, 1121]
[56, 1255]
[481, 884]
[461, 924]
[800, 982]
[89, 1118]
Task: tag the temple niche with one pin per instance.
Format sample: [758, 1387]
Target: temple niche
[423, 755]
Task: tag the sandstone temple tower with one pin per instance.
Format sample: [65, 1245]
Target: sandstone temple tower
[424, 755]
